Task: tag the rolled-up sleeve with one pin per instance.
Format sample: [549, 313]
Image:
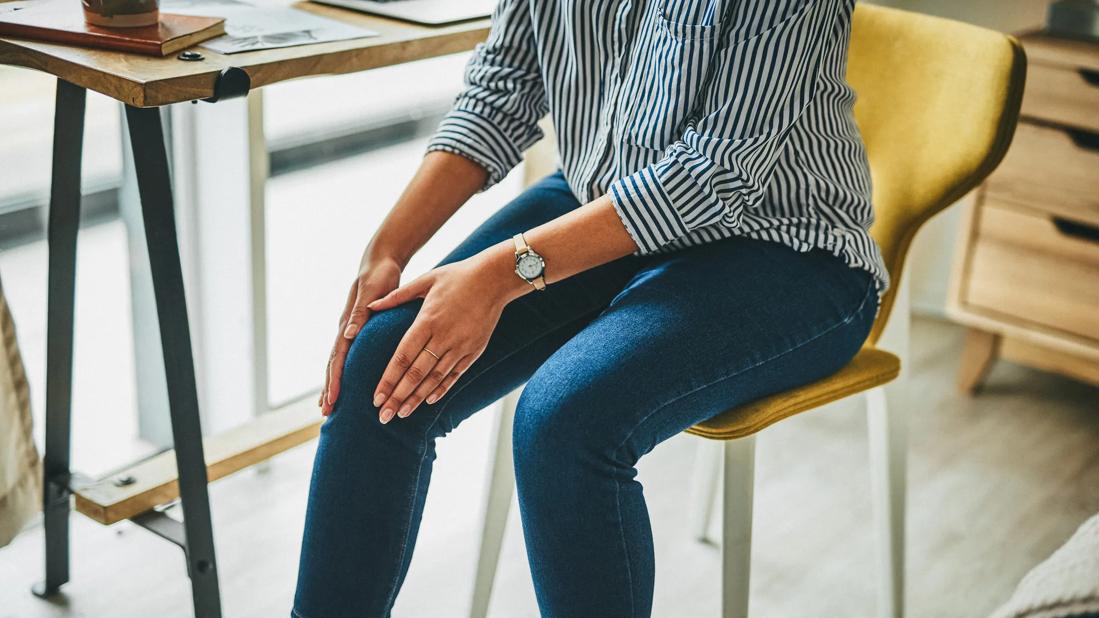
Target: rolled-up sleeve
[495, 117]
[764, 77]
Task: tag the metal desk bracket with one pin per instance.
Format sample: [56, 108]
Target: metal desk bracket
[58, 491]
[163, 526]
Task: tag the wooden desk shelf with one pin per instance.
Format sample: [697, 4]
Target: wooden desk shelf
[152, 482]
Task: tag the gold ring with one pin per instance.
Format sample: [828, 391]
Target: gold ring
[432, 353]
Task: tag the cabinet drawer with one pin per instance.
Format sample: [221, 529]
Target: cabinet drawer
[1032, 267]
[1051, 168]
[1063, 94]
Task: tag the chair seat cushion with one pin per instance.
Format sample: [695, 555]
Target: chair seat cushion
[871, 367]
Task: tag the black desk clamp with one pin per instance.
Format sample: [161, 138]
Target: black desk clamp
[231, 83]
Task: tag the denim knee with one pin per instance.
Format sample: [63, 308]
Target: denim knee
[367, 359]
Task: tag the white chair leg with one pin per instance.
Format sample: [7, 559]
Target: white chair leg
[888, 445]
[501, 486]
[736, 540]
[888, 441]
[704, 486]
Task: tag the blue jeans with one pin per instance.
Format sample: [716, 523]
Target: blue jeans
[615, 360]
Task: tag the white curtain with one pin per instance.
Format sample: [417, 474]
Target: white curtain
[20, 466]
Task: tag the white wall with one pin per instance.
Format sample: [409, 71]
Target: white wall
[933, 251]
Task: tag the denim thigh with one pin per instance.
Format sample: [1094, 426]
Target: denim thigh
[694, 333]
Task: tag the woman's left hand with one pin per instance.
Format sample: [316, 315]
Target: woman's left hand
[462, 305]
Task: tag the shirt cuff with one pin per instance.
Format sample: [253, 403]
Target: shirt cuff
[646, 210]
[471, 133]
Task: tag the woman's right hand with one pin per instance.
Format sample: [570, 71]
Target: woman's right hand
[377, 277]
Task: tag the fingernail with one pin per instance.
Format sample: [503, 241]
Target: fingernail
[349, 332]
[379, 399]
[386, 415]
[431, 398]
[404, 411]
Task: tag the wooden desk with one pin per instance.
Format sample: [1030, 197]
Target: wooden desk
[145, 81]
[144, 84]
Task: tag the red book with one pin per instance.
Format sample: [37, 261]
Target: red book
[62, 21]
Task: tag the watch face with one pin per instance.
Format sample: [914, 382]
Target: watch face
[529, 266]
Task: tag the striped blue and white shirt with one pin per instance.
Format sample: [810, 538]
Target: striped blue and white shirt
[702, 119]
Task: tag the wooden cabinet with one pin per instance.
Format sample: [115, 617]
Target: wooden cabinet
[1026, 277]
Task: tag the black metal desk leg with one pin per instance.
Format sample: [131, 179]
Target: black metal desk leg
[64, 220]
[154, 186]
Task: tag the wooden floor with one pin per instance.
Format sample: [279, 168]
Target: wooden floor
[996, 484]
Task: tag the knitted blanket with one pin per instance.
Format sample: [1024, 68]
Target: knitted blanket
[1066, 584]
[20, 466]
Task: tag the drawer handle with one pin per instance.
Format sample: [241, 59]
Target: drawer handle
[1083, 139]
[1076, 229]
[1090, 76]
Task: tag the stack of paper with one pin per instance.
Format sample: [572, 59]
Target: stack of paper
[251, 26]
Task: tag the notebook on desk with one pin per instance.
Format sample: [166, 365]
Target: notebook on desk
[62, 21]
[429, 12]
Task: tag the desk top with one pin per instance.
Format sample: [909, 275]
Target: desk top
[146, 81]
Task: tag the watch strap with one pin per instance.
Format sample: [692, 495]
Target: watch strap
[521, 246]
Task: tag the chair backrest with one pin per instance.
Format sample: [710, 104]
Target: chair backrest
[937, 105]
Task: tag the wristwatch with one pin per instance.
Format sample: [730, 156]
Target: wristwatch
[529, 265]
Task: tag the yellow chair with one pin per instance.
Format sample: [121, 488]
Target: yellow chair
[937, 105]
